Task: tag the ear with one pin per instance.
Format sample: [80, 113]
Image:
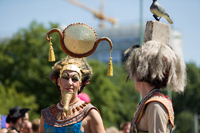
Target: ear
[87, 82]
[54, 79]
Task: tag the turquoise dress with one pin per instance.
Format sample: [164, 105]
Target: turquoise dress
[74, 128]
[70, 125]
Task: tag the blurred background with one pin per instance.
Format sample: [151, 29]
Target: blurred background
[24, 54]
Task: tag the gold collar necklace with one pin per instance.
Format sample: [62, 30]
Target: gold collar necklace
[74, 105]
[70, 103]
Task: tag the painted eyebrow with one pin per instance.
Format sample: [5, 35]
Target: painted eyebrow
[66, 73]
[74, 76]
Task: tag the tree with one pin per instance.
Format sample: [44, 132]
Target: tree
[11, 98]
[24, 81]
[187, 100]
[186, 104]
[115, 99]
[185, 123]
[25, 68]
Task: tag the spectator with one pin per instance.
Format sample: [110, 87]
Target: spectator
[3, 121]
[112, 129]
[27, 127]
[125, 127]
[36, 125]
[15, 118]
[26, 118]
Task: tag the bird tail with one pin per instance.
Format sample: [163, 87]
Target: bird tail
[169, 20]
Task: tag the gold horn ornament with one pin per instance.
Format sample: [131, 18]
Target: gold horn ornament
[110, 67]
[51, 52]
[79, 40]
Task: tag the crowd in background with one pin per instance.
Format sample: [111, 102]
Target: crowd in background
[21, 124]
[124, 128]
[17, 121]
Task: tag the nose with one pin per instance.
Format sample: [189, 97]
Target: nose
[70, 82]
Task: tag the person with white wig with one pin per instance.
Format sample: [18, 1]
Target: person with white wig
[154, 66]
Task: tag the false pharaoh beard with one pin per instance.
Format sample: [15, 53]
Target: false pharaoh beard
[66, 99]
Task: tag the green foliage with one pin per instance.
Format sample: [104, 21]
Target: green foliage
[188, 101]
[25, 67]
[115, 99]
[185, 123]
[10, 98]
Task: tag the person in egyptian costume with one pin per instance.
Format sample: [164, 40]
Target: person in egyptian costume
[154, 66]
[71, 75]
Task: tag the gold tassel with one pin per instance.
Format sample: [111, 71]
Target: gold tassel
[110, 67]
[51, 52]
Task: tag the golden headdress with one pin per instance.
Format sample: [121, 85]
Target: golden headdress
[78, 40]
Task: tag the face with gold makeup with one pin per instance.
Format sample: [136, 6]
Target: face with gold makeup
[71, 75]
[69, 82]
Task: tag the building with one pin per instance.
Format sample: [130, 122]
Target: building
[124, 37]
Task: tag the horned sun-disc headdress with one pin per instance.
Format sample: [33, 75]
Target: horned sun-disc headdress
[79, 40]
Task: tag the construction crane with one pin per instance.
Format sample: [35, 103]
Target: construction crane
[98, 14]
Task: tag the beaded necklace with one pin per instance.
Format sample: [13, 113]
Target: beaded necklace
[73, 106]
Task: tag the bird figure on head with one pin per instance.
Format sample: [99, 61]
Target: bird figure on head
[159, 11]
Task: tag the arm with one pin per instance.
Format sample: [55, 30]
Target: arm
[95, 122]
[4, 130]
[42, 125]
[157, 117]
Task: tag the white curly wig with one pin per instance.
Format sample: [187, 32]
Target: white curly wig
[157, 64]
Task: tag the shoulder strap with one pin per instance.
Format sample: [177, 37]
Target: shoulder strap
[165, 100]
[167, 104]
[155, 95]
[140, 109]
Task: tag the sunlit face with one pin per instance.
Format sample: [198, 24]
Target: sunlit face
[70, 81]
[27, 127]
[26, 118]
[126, 128]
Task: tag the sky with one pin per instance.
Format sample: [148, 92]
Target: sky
[18, 14]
